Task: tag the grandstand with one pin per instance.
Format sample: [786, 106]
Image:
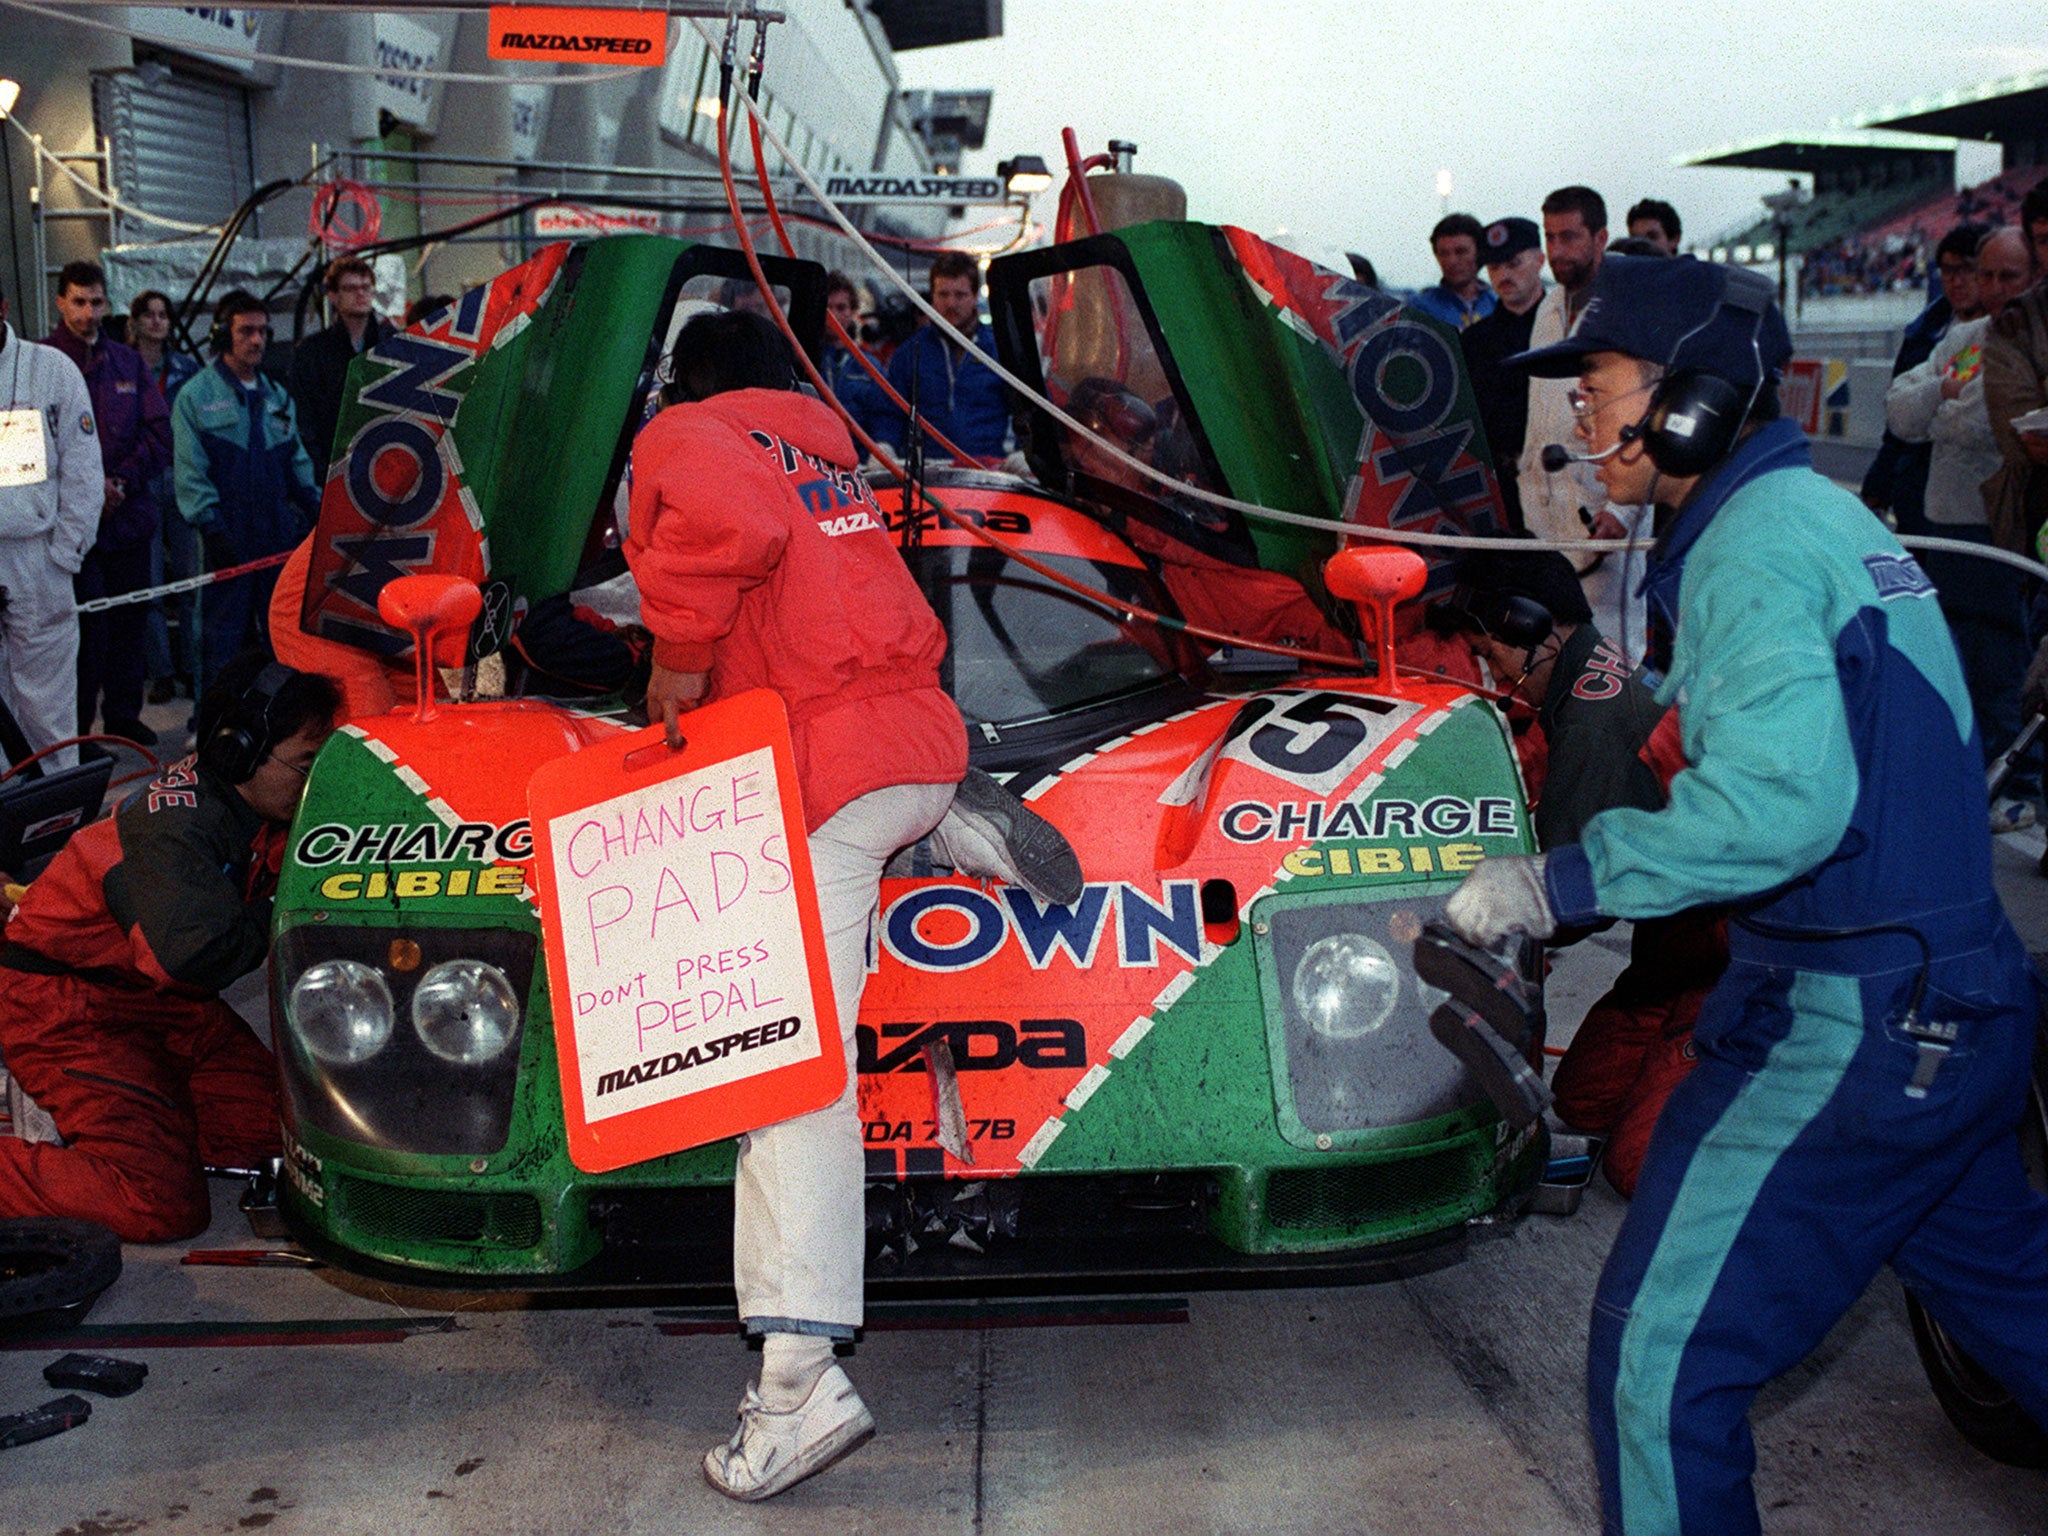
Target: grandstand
[1857, 178]
[1884, 188]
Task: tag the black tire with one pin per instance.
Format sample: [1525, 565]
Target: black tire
[1982, 1410]
[49, 1264]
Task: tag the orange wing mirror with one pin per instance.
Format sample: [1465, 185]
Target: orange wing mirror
[1376, 577]
[435, 609]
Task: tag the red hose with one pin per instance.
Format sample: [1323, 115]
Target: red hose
[1077, 177]
[887, 460]
[155, 762]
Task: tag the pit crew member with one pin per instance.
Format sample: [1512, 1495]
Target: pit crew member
[244, 480]
[52, 487]
[110, 977]
[1864, 1061]
[1603, 732]
[763, 562]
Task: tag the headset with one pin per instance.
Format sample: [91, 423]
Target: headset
[221, 331]
[247, 731]
[1694, 417]
[1510, 618]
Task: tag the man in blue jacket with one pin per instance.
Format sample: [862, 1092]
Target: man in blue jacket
[135, 445]
[1865, 1060]
[244, 480]
[955, 393]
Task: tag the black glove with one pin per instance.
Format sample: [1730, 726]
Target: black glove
[219, 547]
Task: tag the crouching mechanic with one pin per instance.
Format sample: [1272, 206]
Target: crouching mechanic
[763, 562]
[1864, 1061]
[110, 1013]
[1524, 611]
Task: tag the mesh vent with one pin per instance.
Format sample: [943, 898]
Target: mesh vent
[391, 1213]
[1313, 1199]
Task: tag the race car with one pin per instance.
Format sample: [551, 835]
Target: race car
[1216, 1061]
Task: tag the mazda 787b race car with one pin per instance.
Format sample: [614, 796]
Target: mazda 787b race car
[1216, 1062]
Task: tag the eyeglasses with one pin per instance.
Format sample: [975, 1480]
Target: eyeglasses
[1585, 405]
[287, 763]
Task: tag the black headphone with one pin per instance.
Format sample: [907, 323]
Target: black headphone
[247, 731]
[1694, 417]
[1508, 617]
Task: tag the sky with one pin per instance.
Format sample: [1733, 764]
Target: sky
[1331, 122]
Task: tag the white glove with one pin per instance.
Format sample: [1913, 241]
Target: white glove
[1501, 897]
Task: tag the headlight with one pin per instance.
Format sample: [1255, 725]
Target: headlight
[1346, 985]
[465, 1011]
[342, 1011]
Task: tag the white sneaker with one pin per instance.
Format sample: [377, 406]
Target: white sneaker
[772, 1451]
[2011, 816]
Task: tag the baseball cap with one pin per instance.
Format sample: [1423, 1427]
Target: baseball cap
[1677, 311]
[1505, 239]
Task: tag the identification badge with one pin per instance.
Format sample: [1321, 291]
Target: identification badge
[23, 458]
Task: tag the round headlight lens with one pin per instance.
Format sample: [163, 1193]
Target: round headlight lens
[465, 1011]
[341, 1009]
[1346, 985]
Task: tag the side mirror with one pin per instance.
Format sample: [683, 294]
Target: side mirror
[1376, 577]
[432, 608]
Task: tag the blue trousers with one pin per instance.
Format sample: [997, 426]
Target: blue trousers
[1784, 1171]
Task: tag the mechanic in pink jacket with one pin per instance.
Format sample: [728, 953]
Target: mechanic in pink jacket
[763, 561]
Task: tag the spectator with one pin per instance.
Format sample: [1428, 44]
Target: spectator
[1513, 249]
[1656, 221]
[171, 646]
[1460, 298]
[244, 480]
[1570, 503]
[52, 487]
[2016, 384]
[956, 393]
[1363, 269]
[1941, 402]
[320, 364]
[135, 449]
[1896, 481]
[849, 382]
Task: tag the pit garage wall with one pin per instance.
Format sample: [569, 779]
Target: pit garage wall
[838, 76]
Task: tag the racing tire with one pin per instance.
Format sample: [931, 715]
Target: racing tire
[51, 1266]
[1982, 1411]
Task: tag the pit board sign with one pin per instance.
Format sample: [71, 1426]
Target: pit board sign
[686, 960]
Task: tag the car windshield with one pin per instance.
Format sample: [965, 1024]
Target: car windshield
[1022, 647]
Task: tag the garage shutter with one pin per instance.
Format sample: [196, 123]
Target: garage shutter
[180, 145]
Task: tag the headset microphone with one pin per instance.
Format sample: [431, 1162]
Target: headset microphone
[1556, 456]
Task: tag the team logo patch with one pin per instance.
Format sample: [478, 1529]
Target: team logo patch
[1897, 576]
[85, 425]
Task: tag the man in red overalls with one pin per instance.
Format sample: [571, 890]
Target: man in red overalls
[110, 977]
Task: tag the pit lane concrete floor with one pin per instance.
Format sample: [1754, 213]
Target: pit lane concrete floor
[1445, 1404]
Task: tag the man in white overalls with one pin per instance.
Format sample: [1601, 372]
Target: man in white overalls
[51, 488]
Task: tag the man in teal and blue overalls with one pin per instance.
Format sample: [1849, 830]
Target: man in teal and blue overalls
[1865, 1060]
